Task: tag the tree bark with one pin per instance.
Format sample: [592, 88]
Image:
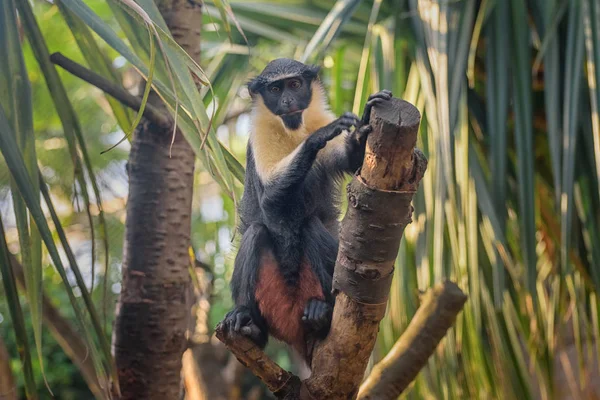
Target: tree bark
[154, 304]
[379, 208]
[437, 313]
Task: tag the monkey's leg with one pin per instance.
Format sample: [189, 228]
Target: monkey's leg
[321, 252]
[317, 317]
[246, 318]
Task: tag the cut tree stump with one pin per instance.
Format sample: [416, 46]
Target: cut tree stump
[379, 208]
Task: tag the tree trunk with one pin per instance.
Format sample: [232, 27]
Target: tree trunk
[153, 308]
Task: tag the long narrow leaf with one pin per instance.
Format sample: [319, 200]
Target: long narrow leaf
[16, 166]
[574, 65]
[16, 315]
[66, 115]
[591, 19]
[15, 97]
[497, 57]
[189, 130]
[95, 57]
[330, 27]
[524, 140]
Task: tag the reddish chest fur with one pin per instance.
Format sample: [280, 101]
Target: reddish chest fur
[282, 306]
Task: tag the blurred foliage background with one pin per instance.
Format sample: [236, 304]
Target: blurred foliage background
[508, 208]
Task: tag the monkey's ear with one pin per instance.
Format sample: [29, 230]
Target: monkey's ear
[254, 85]
[311, 72]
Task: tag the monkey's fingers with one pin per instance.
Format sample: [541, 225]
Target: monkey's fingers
[348, 120]
[362, 133]
[384, 94]
[350, 115]
[374, 99]
[241, 319]
[251, 330]
[308, 311]
[313, 308]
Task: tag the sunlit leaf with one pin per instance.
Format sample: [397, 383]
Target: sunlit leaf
[18, 170]
[15, 98]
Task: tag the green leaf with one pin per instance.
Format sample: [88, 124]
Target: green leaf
[68, 119]
[591, 19]
[552, 89]
[497, 67]
[331, 26]
[16, 316]
[15, 98]
[18, 170]
[85, 294]
[573, 71]
[524, 140]
[222, 162]
[362, 81]
[95, 57]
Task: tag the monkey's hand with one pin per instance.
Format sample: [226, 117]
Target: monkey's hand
[323, 135]
[239, 321]
[317, 317]
[379, 97]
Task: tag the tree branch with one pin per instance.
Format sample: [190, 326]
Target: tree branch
[282, 383]
[379, 208]
[134, 102]
[437, 313]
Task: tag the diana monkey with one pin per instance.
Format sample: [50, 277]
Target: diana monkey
[297, 153]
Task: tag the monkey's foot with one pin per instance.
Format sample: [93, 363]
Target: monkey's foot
[239, 321]
[317, 316]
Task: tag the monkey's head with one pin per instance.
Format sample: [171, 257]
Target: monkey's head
[286, 89]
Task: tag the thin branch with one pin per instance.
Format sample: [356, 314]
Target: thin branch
[282, 383]
[120, 94]
[437, 313]
[235, 115]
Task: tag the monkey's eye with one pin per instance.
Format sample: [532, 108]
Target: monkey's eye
[295, 84]
[274, 89]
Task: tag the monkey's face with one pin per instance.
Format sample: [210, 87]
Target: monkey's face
[288, 98]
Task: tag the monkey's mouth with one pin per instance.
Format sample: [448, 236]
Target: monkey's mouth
[293, 119]
[290, 113]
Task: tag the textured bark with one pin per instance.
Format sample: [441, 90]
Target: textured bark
[8, 386]
[154, 304]
[437, 313]
[67, 337]
[282, 383]
[378, 211]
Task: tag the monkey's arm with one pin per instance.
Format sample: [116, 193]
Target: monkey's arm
[289, 174]
[348, 155]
